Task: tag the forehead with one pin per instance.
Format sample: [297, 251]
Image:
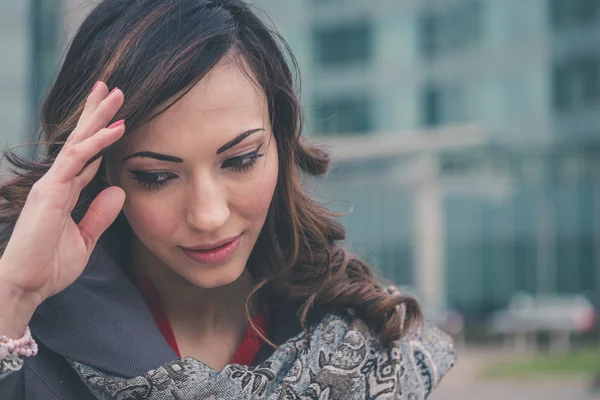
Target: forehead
[224, 103]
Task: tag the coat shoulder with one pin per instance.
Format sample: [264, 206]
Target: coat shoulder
[410, 367]
[428, 354]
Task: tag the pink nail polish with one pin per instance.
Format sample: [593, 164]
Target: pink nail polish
[95, 86]
[116, 124]
[112, 91]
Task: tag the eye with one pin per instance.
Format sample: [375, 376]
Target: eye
[152, 180]
[244, 162]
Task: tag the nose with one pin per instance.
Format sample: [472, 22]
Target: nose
[207, 208]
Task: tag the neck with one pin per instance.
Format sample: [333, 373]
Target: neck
[195, 311]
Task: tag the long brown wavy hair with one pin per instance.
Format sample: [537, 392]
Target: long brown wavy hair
[155, 51]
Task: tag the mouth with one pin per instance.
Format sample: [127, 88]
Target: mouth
[213, 253]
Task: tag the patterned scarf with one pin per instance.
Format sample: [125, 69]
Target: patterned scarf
[338, 359]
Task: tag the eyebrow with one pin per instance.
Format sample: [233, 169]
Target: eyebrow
[238, 139]
[151, 154]
[164, 157]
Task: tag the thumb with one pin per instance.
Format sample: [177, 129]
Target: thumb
[102, 212]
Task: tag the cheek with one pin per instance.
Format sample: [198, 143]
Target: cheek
[253, 197]
[255, 201]
[149, 218]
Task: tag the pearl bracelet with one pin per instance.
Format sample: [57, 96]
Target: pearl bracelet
[13, 351]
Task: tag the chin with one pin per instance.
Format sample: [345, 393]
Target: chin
[214, 277]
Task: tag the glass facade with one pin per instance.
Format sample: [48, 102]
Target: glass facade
[29, 44]
[452, 29]
[445, 105]
[347, 115]
[14, 47]
[573, 13]
[339, 46]
[45, 25]
[576, 83]
[538, 237]
[520, 213]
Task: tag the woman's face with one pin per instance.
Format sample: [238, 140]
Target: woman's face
[199, 178]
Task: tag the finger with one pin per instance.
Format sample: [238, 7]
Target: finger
[99, 117]
[87, 174]
[101, 214]
[71, 161]
[98, 93]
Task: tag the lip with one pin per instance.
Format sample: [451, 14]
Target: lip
[213, 245]
[213, 253]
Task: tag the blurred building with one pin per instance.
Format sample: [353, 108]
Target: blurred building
[467, 132]
[33, 36]
[17, 75]
[520, 210]
[528, 70]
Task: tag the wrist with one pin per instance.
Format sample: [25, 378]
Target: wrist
[18, 307]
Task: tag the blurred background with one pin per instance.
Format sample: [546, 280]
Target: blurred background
[466, 140]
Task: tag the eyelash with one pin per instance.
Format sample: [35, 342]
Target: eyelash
[156, 180]
[152, 180]
[250, 159]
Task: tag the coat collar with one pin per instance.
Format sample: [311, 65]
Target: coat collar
[102, 321]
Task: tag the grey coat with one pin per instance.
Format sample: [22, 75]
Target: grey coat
[98, 335]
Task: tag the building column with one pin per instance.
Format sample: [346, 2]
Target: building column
[429, 229]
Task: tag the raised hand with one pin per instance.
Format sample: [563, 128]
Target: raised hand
[47, 250]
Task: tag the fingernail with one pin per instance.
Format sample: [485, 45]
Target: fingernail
[112, 91]
[95, 86]
[117, 123]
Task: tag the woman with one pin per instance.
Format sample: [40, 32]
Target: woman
[183, 259]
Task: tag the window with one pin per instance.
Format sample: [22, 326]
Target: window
[451, 29]
[343, 115]
[431, 107]
[576, 83]
[444, 105]
[44, 24]
[341, 45]
[569, 13]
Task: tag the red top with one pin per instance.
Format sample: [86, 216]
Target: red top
[245, 353]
